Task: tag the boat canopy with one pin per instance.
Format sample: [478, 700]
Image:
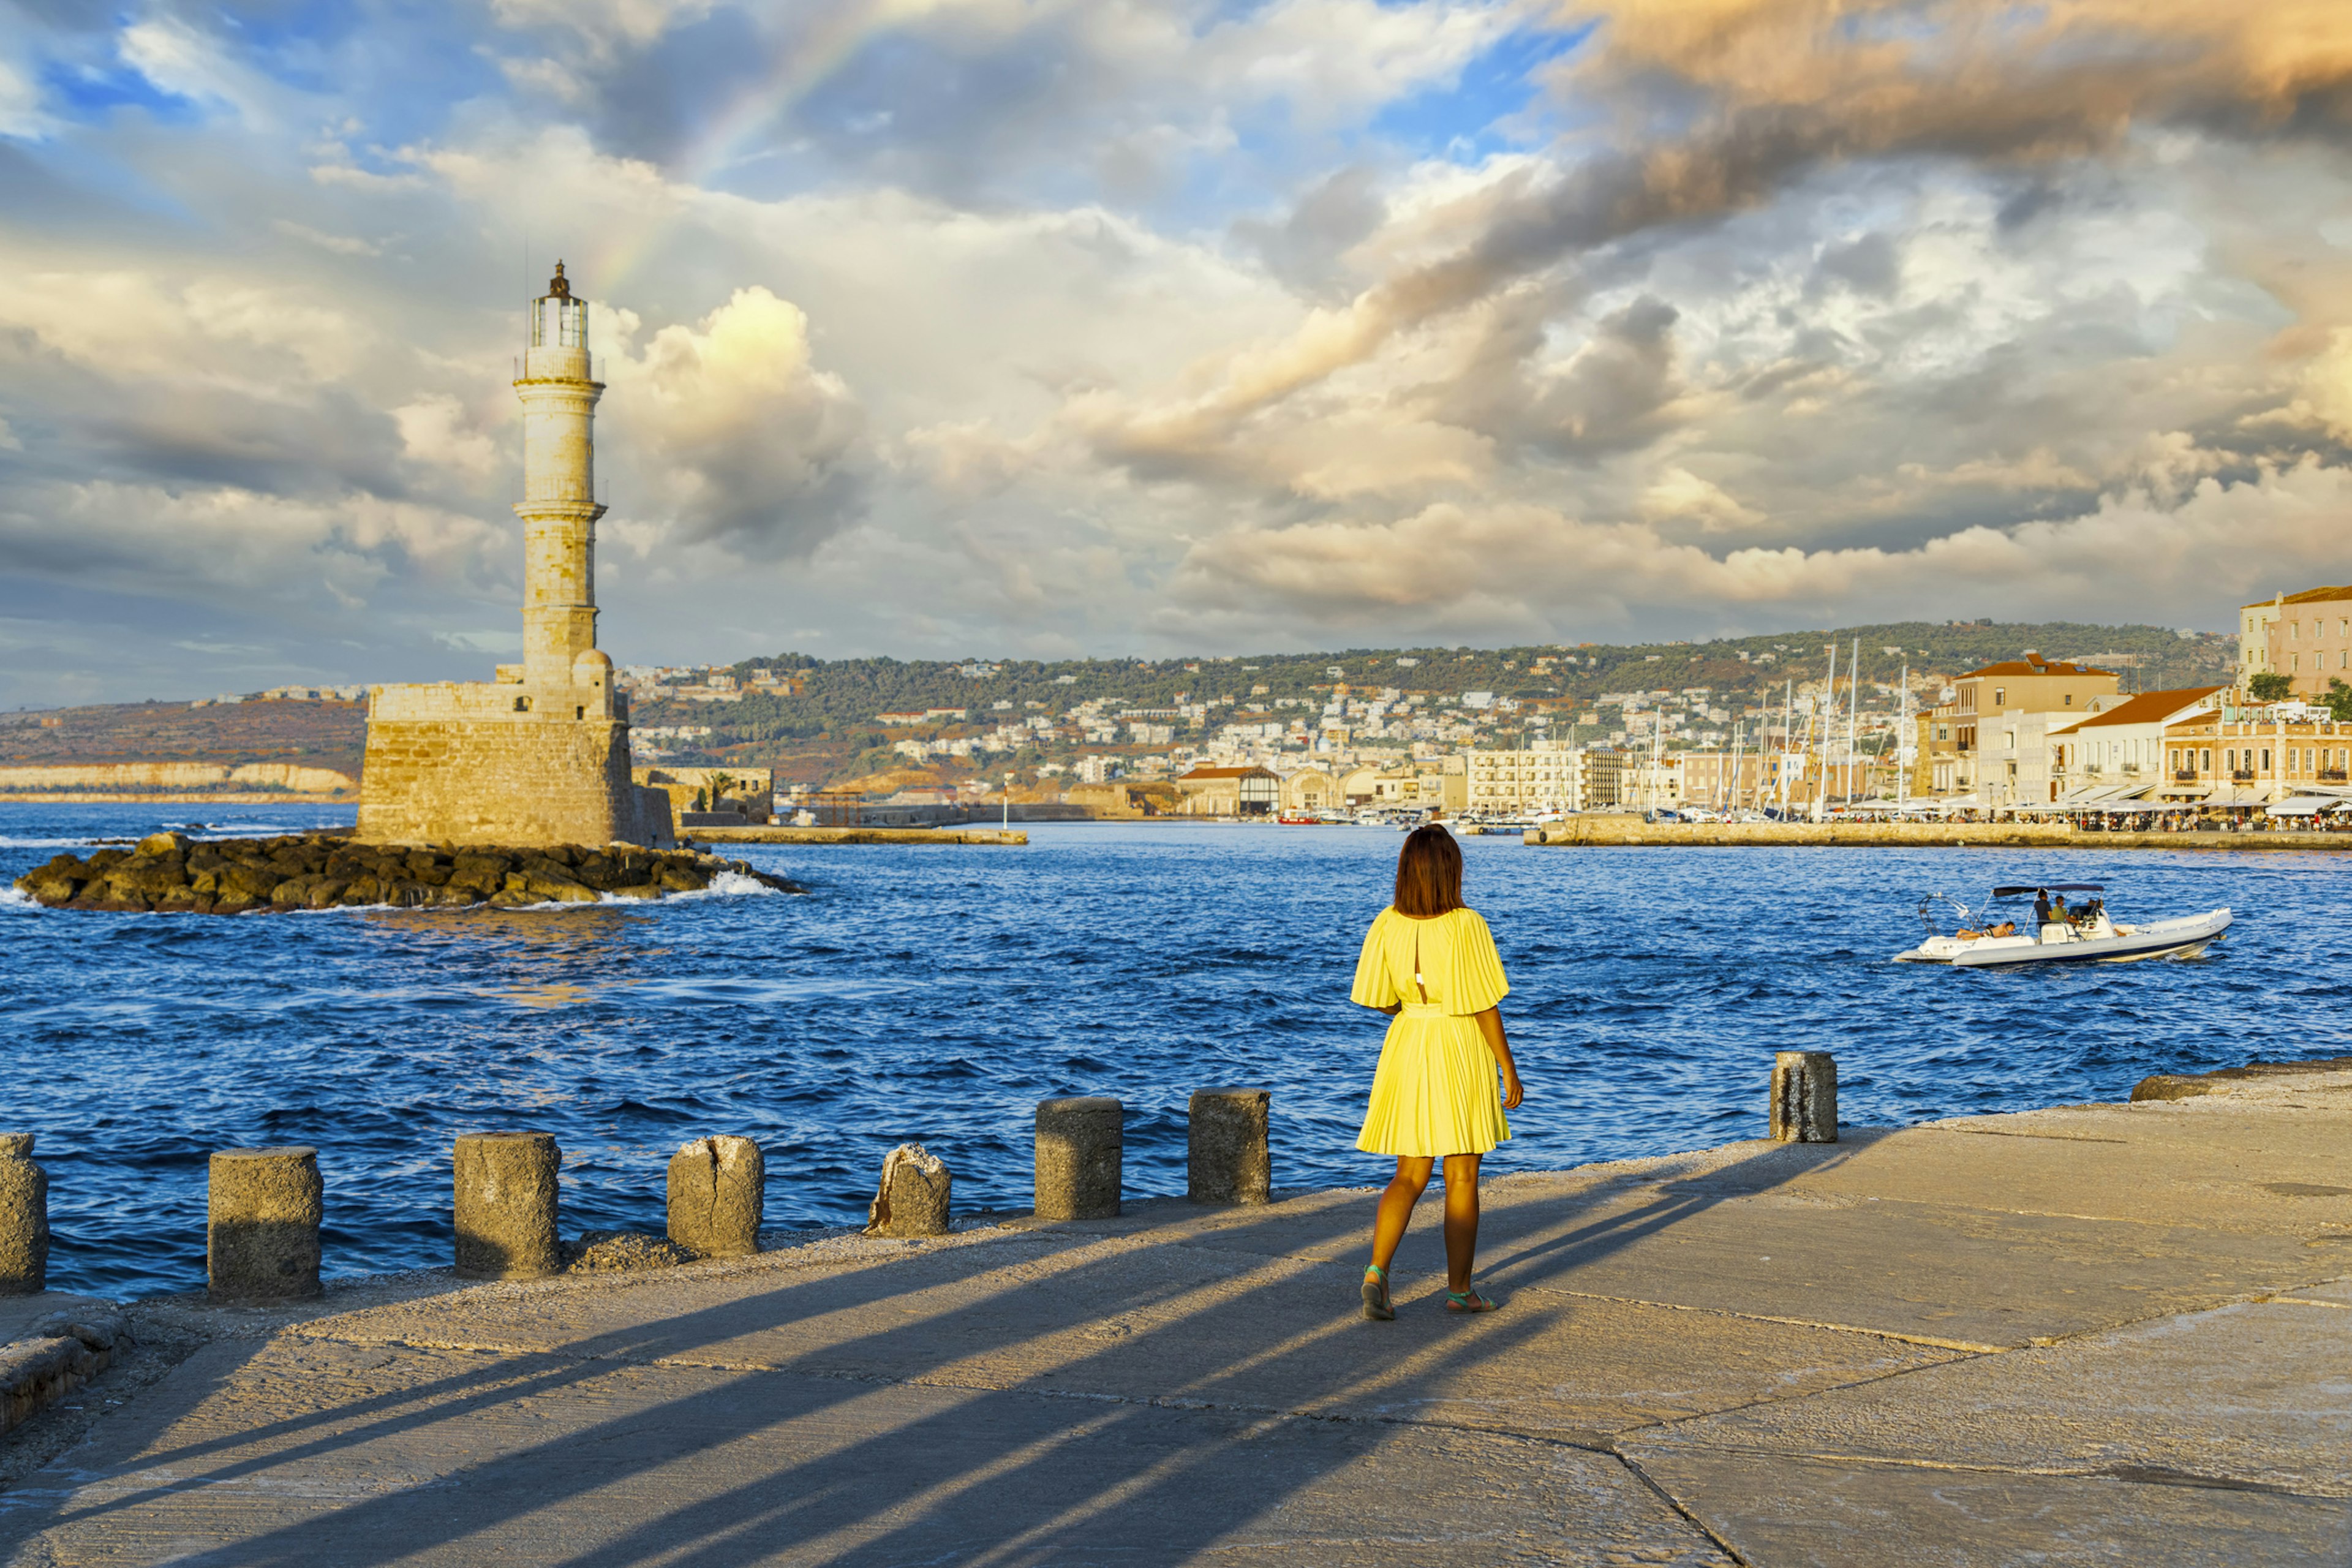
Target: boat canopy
[2049, 887]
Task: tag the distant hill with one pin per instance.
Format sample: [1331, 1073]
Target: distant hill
[309, 735]
[825, 731]
[831, 724]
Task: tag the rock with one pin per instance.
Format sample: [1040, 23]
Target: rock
[24, 1218]
[604, 1251]
[718, 1196]
[1081, 1145]
[1804, 1097]
[261, 1223]
[506, 1207]
[913, 1196]
[161, 844]
[1227, 1160]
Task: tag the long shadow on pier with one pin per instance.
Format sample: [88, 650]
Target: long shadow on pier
[1141, 1388]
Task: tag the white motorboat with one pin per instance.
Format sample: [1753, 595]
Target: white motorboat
[2086, 935]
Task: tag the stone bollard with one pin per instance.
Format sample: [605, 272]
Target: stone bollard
[506, 1205]
[913, 1196]
[1804, 1097]
[1228, 1161]
[1080, 1141]
[24, 1218]
[261, 1223]
[717, 1194]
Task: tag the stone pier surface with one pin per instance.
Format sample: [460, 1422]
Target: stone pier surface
[2107, 1333]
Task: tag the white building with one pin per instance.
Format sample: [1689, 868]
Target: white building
[1546, 776]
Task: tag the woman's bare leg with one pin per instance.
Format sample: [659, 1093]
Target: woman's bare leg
[1461, 1219]
[1396, 1207]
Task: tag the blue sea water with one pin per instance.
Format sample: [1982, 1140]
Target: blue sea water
[936, 993]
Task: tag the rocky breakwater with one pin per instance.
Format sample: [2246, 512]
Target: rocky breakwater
[171, 873]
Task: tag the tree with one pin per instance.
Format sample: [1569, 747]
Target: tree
[2270, 686]
[2339, 700]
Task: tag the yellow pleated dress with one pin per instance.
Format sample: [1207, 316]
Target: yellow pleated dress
[1436, 1091]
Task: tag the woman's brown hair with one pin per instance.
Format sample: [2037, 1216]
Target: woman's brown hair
[1429, 873]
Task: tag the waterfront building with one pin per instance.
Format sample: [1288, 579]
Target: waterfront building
[2117, 755]
[1310, 789]
[540, 753]
[1542, 777]
[1229, 792]
[1998, 722]
[2252, 756]
[2306, 636]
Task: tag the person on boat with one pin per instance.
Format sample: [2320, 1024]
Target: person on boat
[2042, 907]
[1429, 962]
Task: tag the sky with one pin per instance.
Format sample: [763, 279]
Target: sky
[1064, 328]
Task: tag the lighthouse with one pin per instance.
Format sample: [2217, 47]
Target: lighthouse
[539, 755]
[559, 508]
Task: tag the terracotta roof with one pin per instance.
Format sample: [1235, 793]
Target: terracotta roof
[1225, 774]
[2150, 707]
[2035, 664]
[2308, 597]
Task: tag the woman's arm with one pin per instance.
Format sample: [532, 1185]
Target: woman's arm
[1490, 1024]
[1392, 1010]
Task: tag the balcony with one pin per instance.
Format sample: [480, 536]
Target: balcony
[2184, 775]
[2243, 775]
[2332, 775]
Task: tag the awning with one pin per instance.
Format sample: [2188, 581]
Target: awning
[2304, 806]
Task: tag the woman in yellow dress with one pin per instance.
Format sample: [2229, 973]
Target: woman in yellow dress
[1429, 962]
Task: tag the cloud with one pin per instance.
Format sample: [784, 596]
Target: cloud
[937, 325]
[761, 451]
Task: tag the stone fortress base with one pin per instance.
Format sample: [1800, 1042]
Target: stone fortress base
[514, 762]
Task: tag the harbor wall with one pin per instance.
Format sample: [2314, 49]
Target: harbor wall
[1605, 831]
[134, 779]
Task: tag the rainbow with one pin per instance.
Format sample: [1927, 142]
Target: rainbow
[831, 41]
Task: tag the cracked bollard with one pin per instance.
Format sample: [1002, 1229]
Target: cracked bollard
[1804, 1097]
[1080, 1142]
[506, 1206]
[912, 1198]
[1226, 1160]
[718, 1193]
[262, 1211]
[24, 1218]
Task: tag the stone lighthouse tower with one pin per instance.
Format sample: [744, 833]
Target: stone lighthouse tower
[559, 508]
[541, 755]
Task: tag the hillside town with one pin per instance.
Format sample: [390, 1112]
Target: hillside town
[1778, 728]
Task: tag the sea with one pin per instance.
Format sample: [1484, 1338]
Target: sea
[935, 994]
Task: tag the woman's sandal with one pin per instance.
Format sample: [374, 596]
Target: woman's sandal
[1468, 1302]
[1376, 1295]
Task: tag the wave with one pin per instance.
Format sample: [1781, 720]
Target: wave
[726, 885]
[18, 899]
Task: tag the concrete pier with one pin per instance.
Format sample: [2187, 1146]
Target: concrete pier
[2095, 1334]
[1804, 1097]
[1081, 1143]
[718, 1195]
[1227, 1157]
[261, 1223]
[24, 1218]
[506, 1205]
